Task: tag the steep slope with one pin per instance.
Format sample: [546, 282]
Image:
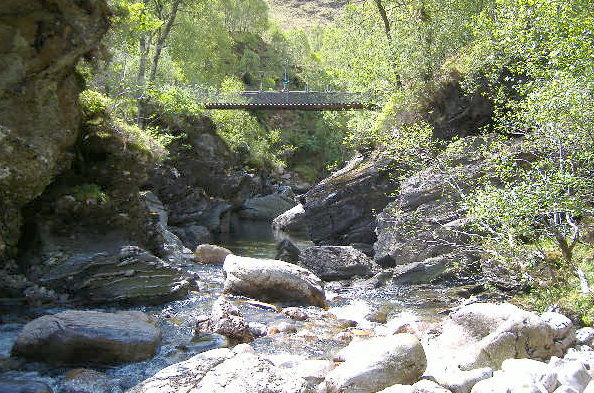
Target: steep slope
[305, 14]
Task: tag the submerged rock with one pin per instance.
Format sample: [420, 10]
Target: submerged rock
[377, 363]
[336, 262]
[82, 380]
[24, 387]
[223, 370]
[126, 275]
[83, 337]
[211, 254]
[272, 280]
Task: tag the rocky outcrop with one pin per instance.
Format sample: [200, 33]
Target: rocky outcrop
[39, 115]
[340, 209]
[272, 280]
[128, 275]
[227, 321]
[377, 363]
[270, 206]
[223, 370]
[75, 337]
[291, 220]
[336, 262]
[426, 225]
[202, 180]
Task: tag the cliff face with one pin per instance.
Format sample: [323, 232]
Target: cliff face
[40, 42]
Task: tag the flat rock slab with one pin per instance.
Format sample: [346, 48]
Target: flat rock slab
[87, 337]
[272, 280]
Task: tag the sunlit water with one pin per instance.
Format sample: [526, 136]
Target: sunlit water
[348, 301]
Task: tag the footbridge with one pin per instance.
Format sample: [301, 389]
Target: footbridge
[292, 100]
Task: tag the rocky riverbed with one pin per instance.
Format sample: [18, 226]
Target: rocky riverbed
[361, 338]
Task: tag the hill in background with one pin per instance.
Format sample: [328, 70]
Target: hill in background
[305, 14]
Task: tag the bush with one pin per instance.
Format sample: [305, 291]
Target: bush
[93, 103]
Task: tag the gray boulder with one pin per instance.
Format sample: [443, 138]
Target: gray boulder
[82, 337]
[563, 331]
[458, 381]
[226, 320]
[272, 280]
[221, 371]
[336, 262]
[210, 254]
[377, 363]
[268, 207]
[127, 274]
[291, 220]
[287, 251]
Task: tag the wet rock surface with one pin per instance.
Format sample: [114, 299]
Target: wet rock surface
[272, 280]
[83, 337]
[226, 320]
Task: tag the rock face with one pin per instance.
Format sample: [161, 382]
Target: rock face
[39, 118]
[272, 280]
[73, 337]
[268, 207]
[374, 364]
[424, 226]
[340, 209]
[291, 220]
[211, 254]
[226, 320]
[201, 181]
[336, 262]
[223, 370]
[127, 275]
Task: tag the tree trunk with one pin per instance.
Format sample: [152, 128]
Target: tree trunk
[382, 11]
[161, 40]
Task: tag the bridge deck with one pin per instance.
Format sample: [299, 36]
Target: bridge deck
[294, 100]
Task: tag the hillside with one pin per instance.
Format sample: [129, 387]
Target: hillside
[305, 14]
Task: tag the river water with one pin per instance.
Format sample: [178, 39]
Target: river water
[315, 338]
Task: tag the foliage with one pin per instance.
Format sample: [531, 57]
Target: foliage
[93, 103]
[90, 194]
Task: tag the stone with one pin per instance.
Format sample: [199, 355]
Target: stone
[291, 220]
[83, 380]
[258, 329]
[82, 337]
[126, 274]
[565, 389]
[295, 313]
[585, 336]
[571, 373]
[223, 370]
[502, 332]
[539, 373]
[313, 370]
[192, 235]
[459, 381]
[24, 387]
[589, 388]
[398, 388]
[287, 251]
[563, 330]
[210, 254]
[227, 321]
[427, 386]
[272, 280]
[268, 207]
[336, 262]
[377, 363]
[503, 384]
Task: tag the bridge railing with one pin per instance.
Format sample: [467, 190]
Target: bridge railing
[282, 97]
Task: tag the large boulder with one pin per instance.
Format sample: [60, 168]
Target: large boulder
[291, 220]
[210, 254]
[340, 210]
[268, 207]
[127, 274]
[502, 332]
[226, 320]
[272, 280]
[83, 337]
[223, 370]
[336, 262]
[374, 364]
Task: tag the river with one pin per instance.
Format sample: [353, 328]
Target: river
[315, 338]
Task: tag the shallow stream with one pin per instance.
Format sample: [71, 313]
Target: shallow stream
[348, 300]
